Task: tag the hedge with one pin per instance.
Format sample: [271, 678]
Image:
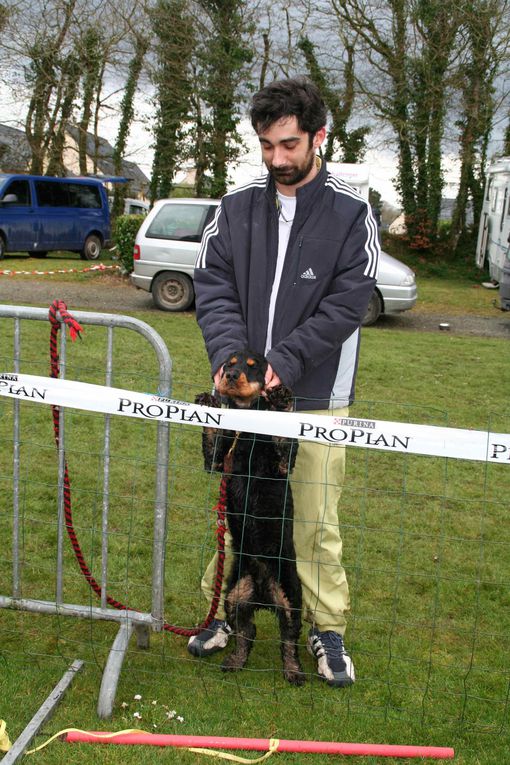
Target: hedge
[125, 231]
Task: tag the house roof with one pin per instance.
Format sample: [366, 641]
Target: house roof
[15, 151]
[104, 152]
[15, 156]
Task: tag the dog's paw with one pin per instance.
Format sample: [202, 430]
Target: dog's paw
[286, 449]
[280, 398]
[233, 663]
[295, 677]
[207, 399]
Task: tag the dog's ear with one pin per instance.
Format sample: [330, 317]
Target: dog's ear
[280, 399]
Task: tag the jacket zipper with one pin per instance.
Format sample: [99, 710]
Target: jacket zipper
[298, 260]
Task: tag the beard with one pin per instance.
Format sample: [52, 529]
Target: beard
[289, 175]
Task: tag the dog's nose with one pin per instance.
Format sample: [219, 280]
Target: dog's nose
[232, 375]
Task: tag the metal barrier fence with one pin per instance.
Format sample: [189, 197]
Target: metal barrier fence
[140, 622]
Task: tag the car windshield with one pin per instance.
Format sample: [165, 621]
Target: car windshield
[184, 222]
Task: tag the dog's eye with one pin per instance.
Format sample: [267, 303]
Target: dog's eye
[233, 360]
[250, 362]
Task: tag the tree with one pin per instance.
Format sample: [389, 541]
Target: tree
[352, 143]
[126, 119]
[223, 59]
[43, 76]
[4, 15]
[201, 58]
[90, 61]
[485, 46]
[409, 45]
[70, 77]
[175, 42]
[438, 24]
[64, 48]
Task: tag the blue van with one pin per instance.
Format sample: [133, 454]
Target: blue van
[39, 213]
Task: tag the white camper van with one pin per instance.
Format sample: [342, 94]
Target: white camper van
[494, 232]
[357, 176]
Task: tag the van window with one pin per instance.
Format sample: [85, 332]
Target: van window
[51, 194]
[22, 191]
[183, 222]
[56, 194]
[494, 200]
[84, 195]
[134, 209]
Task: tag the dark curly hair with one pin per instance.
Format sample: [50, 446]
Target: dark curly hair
[294, 97]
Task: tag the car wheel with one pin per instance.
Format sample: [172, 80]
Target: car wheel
[172, 291]
[92, 248]
[2, 248]
[38, 254]
[374, 310]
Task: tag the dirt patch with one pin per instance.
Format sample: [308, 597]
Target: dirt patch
[113, 293]
[468, 325]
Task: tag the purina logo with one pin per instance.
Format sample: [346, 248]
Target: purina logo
[350, 422]
[308, 274]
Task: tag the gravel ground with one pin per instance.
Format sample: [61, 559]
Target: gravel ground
[115, 294]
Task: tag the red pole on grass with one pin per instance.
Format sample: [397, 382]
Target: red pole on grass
[260, 744]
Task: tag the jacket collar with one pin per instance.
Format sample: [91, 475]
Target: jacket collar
[304, 194]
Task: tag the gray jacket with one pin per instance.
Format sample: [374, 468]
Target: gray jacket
[328, 277]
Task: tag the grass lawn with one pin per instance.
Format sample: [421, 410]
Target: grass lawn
[445, 285]
[426, 548]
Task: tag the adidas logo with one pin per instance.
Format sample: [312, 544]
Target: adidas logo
[308, 274]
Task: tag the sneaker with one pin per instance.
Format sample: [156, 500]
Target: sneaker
[334, 664]
[213, 638]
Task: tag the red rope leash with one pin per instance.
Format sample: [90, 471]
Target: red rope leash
[74, 331]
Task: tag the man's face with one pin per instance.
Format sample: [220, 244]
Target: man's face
[289, 153]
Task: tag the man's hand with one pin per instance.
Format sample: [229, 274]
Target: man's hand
[217, 377]
[271, 379]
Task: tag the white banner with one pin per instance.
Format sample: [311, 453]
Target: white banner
[346, 431]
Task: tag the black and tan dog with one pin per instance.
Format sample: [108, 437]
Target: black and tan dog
[259, 513]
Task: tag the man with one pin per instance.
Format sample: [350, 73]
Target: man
[287, 269]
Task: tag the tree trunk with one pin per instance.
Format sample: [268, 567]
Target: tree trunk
[127, 114]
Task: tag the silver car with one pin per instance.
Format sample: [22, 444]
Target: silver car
[168, 241]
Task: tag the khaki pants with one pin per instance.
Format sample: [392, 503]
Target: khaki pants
[317, 482]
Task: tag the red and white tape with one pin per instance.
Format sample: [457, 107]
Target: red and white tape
[99, 267]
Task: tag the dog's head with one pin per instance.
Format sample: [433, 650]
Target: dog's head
[242, 378]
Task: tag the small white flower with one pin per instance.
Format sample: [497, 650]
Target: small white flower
[180, 719]
[154, 725]
[154, 703]
[137, 715]
[124, 704]
[171, 714]
[137, 697]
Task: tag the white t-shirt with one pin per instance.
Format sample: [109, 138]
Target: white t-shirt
[287, 210]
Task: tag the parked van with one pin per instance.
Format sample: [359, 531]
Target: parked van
[41, 213]
[135, 207]
[494, 231]
[132, 206]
